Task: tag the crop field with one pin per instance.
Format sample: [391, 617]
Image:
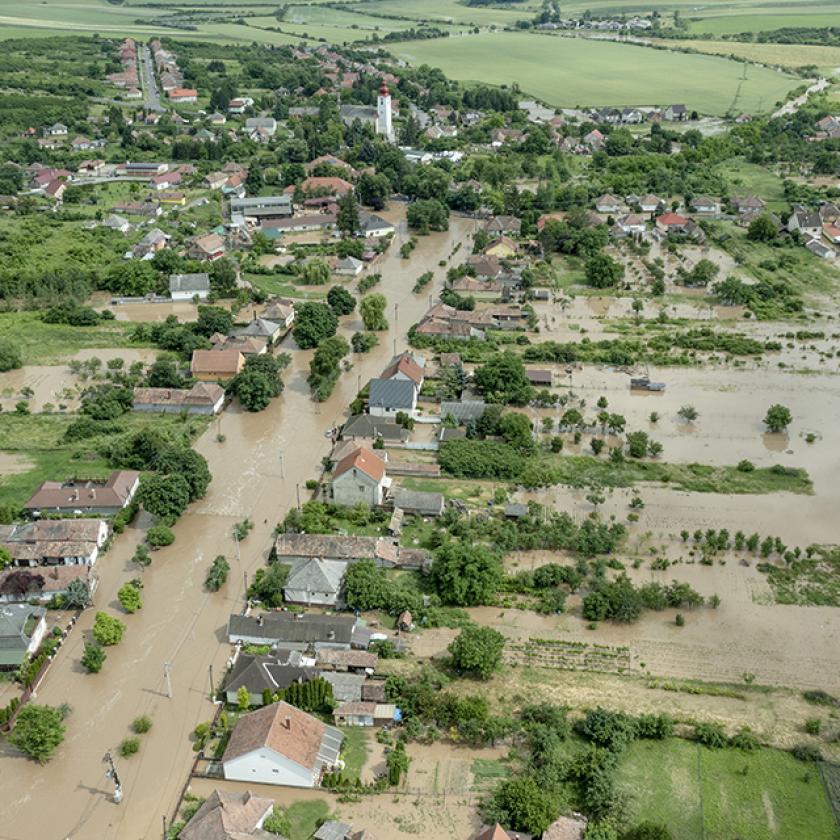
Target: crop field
[720, 794]
[568, 72]
[761, 22]
[782, 55]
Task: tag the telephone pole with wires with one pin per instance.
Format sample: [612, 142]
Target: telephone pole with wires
[111, 773]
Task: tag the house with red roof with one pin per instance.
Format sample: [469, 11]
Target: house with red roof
[360, 478]
[671, 223]
[315, 185]
[183, 95]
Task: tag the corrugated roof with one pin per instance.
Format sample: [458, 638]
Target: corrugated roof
[316, 575]
[392, 394]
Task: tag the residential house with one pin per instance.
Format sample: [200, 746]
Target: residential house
[540, 378]
[173, 199]
[216, 365]
[22, 629]
[281, 312]
[355, 661]
[140, 208]
[594, 140]
[117, 223]
[44, 584]
[217, 119]
[388, 397]
[502, 248]
[349, 267]
[671, 223]
[831, 232]
[479, 289]
[608, 204]
[81, 144]
[463, 411]
[515, 510]
[650, 203]
[314, 185]
[281, 745]
[106, 497]
[805, 221]
[56, 130]
[632, 116]
[298, 631]
[360, 478]
[206, 398]
[705, 204]
[346, 686]
[246, 345]
[315, 582]
[207, 248]
[418, 503]
[819, 249]
[374, 227]
[500, 136]
[486, 268]
[676, 113]
[633, 224]
[189, 286]
[165, 180]
[261, 207]
[183, 96]
[55, 190]
[498, 225]
[261, 127]
[271, 331]
[272, 673]
[493, 832]
[747, 204]
[91, 168]
[240, 104]
[54, 542]
[155, 240]
[229, 816]
[368, 427]
[386, 553]
[408, 366]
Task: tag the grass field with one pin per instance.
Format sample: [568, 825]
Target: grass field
[781, 55]
[354, 750]
[723, 794]
[748, 178]
[52, 343]
[762, 22]
[305, 817]
[569, 71]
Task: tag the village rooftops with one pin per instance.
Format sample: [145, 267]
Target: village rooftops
[349, 548]
[363, 460]
[199, 282]
[343, 659]
[287, 731]
[116, 492]
[50, 539]
[258, 673]
[221, 362]
[367, 426]
[205, 394]
[406, 366]
[229, 816]
[392, 394]
[419, 502]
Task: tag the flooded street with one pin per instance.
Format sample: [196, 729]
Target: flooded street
[180, 623]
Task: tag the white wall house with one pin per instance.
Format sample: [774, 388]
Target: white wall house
[359, 478]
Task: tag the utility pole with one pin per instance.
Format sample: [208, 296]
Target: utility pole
[212, 687]
[163, 817]
[282, 469]
[167, 675]
[297, 490]
[236, 540]
[111, 773]
[245, 574]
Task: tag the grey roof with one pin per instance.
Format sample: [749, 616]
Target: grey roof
[415, 501]
[357, 112]
[258, 673]
[370, 221]
[262, 205]
[189, 282]
[13, 640]
[452, 434]
[515, 510]
[330, 746]
[392, 393]
[363, 425]
[347, 687]
[258, 328]
[316, 575]
[332, 830]
[463, 410]
[287, 627]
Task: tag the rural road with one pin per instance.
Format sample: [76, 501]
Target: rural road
[795, 104]
[180, 622]
[151, 94]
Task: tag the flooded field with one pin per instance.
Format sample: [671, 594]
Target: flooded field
[180, 623]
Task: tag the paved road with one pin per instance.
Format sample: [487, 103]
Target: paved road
[151, 93]
[180, 622]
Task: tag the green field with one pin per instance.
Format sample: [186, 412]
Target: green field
[782, 55]
[568, 72]
[762, 22]
[724, 794]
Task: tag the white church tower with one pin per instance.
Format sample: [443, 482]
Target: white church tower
[383, 114]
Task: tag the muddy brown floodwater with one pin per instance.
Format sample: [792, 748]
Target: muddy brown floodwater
[180, 623]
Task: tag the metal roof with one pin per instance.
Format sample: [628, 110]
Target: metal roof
[392, 393]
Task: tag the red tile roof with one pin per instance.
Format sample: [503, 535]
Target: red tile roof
[363, 460]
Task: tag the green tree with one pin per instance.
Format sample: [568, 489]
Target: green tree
[159, 535]
[77, 596]
[477, 650]
[396, 763]
[466, 574]
[362, 342]
[365, 586]
[213, 319]
[10, 358]
[164, 374]
[522, 804]
[223, 277]
[372, 310]
[515, 428]
[217, 574]
[373, 190]
[778, 418]
[762, 229]
[340, 300]
[164, 496]
[502, 380]
[314, 273]
[129, 597]
[347, 220]
[243, 698]
[254, 390]
[637, 444]
[277, 823]
[313, 323]
[602, 271]
[93, 657]
[107, 630]
[38, 731]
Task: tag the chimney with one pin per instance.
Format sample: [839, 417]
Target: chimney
[287, 722]
[331, 634]
[259, 621]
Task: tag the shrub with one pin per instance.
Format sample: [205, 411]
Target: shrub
[217, 574]
[745, 466]
[710, 735]
[806, 752]
[813, 726]
[141, 724]
[160, 535]
[129, 598]
[744, 740]
[93, 658]
[107, 630]
[129, 746]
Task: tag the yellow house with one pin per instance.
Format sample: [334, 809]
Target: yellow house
[502, 248]
[216, 365]
[172, 198]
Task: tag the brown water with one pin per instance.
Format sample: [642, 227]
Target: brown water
[180, 623]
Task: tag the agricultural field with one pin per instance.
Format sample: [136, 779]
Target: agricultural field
[718, 794]
[568, 72]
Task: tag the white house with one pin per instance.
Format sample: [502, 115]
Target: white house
[373, 226]
[239, 105]
[189, 286]
[608, 204]
[359, 477]
[281, 745]
[349, 266]
[315, 582]
[22, 629]
[54, 542]
[390, 396]
[705, 204]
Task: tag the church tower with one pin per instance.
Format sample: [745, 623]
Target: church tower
[383, 113]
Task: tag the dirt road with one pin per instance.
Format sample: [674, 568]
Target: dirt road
[181, 623]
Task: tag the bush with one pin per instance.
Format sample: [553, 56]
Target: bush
[806, 752]
[142, 724]
[744, 740]
[128, 747]
[217, 574]
[93, 658]
[362, 342]
[745, 466]
[710, 735]
[613, 730]
[107, 630]
[477, 650]
[129, 598]
[160, 535]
